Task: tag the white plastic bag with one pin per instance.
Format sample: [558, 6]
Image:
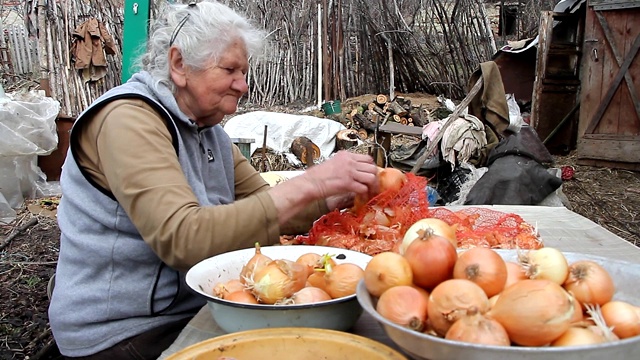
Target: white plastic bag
[28, 128]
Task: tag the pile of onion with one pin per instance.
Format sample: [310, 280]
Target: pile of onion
[475, 296]
[311, 278]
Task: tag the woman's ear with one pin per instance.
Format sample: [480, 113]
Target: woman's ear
[177, 69]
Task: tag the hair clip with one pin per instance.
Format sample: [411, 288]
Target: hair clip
[176, 31]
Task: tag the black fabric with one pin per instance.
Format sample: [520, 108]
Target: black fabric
[514, 177]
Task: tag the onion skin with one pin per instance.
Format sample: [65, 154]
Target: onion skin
[404, 305]
[451, 300]
[484, 267]
[589, 283]
[257, 262]
[386, 270]
[623, 317]
[477, 329]
[534, 312]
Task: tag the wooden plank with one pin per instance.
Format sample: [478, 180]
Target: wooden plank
[544, 36]
[396, 128]
[610, 149]
[614, 86]
[593, 71]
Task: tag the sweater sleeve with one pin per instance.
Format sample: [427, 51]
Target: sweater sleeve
[249, 181]
[138, 163]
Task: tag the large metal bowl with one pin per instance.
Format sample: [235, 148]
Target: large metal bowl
[421, 346]
[336, 314]
[289, 343]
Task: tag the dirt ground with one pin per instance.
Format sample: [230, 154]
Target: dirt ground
[29, 250]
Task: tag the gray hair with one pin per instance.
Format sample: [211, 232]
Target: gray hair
[202, 32]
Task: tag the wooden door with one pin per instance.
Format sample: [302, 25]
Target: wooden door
[609, 126]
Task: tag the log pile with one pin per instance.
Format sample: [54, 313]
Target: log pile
[364, 118]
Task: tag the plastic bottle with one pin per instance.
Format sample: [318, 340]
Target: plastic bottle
[432, 195]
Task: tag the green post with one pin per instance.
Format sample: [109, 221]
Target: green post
[136, 31]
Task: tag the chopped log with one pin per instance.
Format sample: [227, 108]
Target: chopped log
[371, 106]
[385, 108]
[381, 99]
[305, 150]
[397, 109]
[363, 134]
[377, 109]
[410, 124]
[403, 121]
[346, 139]
[364, 122]
[353, 112]
[396, 118]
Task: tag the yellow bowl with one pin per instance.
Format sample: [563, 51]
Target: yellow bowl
[288, 343]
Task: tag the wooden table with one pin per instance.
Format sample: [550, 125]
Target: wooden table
[558, 227]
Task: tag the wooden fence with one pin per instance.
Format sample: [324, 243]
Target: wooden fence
[365, 46]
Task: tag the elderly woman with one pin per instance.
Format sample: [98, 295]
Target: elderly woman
[152, 185]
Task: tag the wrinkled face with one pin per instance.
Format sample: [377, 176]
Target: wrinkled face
[207, 95]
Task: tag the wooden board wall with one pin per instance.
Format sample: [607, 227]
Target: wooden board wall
[609, 125]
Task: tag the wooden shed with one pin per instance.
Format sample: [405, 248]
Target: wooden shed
[609, 125]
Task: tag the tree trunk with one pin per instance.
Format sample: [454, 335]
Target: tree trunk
[346, 139]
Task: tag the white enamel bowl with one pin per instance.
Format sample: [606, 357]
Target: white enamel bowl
[425, 347]
[336, 314]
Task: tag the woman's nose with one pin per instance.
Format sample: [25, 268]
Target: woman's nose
[240, 85]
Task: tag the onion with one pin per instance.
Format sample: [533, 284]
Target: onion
[451, 300]
[257, 262]
[278, 280]
[576, 336]
[534, 312]
[221, 290]
[546, 264]
[317, 280]
[589, 283]
[391, 179]
[477, 329]
[515, 273]
[385, 270]
[623, 317]
[405, 306]
[309, 295]
[314, 261]
[242, 296]
[433, 225]
[432, 258]
[484, 267]
[342, 279]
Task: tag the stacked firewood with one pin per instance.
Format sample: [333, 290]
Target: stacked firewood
[364, 118]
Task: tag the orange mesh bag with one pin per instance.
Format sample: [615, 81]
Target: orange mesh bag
[377, 226]
[489, 228]
[380, 224]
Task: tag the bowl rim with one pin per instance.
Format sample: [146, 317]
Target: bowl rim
[292, 332]
[368, 307]
[323, 249]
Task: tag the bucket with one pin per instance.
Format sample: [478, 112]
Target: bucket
[332, 107]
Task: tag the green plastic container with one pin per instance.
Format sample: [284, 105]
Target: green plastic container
[332, 107]
[244, 145]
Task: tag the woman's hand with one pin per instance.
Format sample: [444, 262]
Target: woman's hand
[337, 180]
